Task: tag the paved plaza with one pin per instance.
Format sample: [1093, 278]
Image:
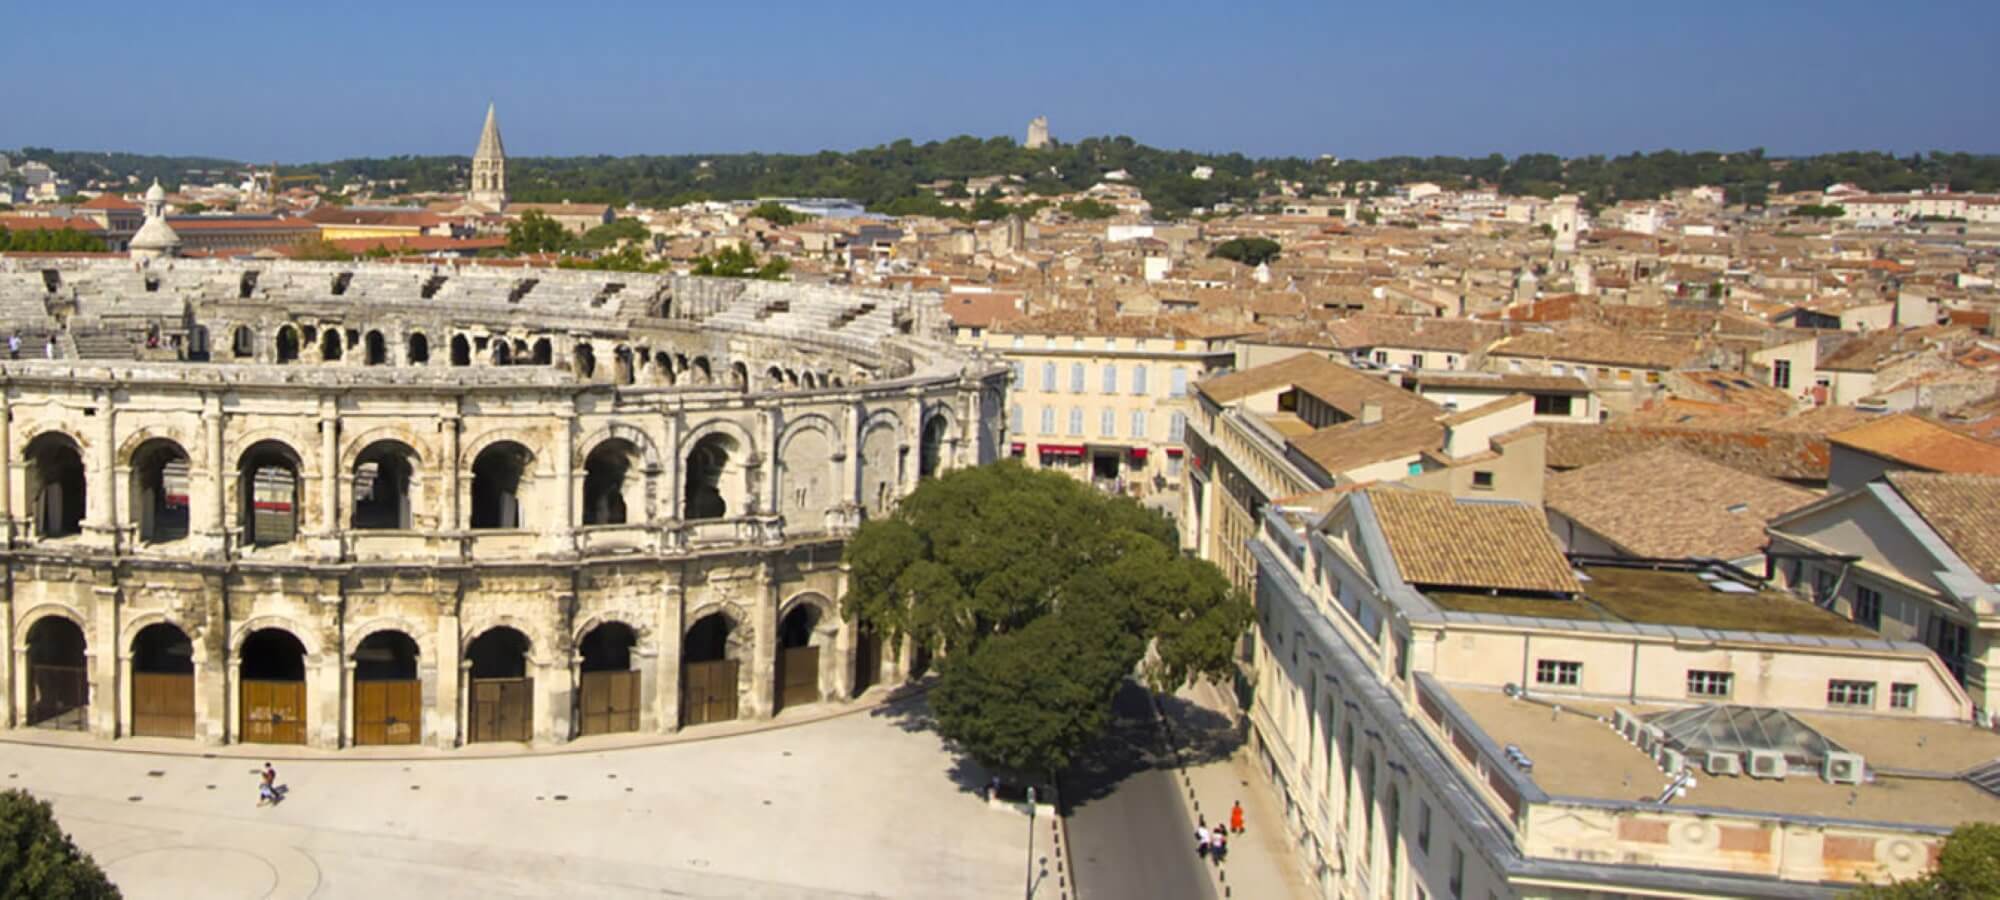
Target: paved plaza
[851, 806]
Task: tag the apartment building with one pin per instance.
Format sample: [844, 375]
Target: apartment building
[1106, 399]
[1451, 707]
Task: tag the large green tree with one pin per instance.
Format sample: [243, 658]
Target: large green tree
[1043, 595]
[1248, 251]
[1968, 867]
[38, 861]
[739, 261]
[535, 232]
[49, 240]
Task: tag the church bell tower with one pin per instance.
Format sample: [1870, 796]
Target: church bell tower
[489, 166]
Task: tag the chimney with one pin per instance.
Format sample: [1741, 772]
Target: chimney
[1371, 412]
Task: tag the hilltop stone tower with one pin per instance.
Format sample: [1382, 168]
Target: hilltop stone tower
[489, 166]
[1038, 133]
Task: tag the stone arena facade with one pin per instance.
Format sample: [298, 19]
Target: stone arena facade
[337, 504]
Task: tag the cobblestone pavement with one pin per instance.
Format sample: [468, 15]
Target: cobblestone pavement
[854, 806]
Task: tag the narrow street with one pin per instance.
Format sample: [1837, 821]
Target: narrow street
[1129, 829]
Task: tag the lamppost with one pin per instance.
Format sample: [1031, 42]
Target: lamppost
[1029, 889]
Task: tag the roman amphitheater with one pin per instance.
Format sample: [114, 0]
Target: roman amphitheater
[350, 504]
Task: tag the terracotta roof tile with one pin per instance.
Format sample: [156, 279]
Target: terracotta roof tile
[1670, 503]
[1792, 456]
[1441, 542]
[1960, 508]
[1920, 443]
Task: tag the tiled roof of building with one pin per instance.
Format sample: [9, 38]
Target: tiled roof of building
[1793, 456]
[1670, 503]
[110, 201]
[1920, 443]
[1441, 542]
[1088, 322]
[1351, 445]
[1601, 347]
[980, 310]
[1413, 333]
[1338, 386]
[48, 223]
[1960, 508]
[1495, 381]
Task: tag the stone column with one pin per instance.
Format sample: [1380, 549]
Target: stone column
[909, 446]
[851, 476]
[100, 497]
[6, 473]
[441, 710]
[563, 529]
[671, 473]
[448, 476]
[213, 527]
[12, 712]
[329, 477]
[667, 665]
[101, 662]
[326, 698]
[763, 607]
[768, 503]
[346, 726]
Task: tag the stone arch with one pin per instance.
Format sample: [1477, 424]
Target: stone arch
[332, 345]
[139, 622]
[240, 632]
[614, 483]
[393, 488]
[735, 612]
[502, 472]
[648, 451]
[808, 479]
[373, 626]
[746, 444]
[286, 344]
[461, 350]
[128, 449]
[242, 342]
[643, 633]
[270, 477]
[375, 348]
[827, 611]
[417, 348]
[58, 483]
[938, 435]
[881, 463]
[353, 446]
[539, 643]
[160, 483]
[34, 615]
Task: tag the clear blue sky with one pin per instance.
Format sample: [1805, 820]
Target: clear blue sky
[314, 81]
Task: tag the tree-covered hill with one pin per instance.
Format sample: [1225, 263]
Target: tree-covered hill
[891, 176]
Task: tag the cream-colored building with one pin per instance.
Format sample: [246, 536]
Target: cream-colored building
[1449, 707]
[421, 505]
[1105, 400]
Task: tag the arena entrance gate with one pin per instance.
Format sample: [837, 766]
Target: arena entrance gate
[798, 659]
[610, 688]
[502, 705]
[162, 682]
[388, 698]
[273, 699]
[58, 682]
[867, 658]
[708, 677]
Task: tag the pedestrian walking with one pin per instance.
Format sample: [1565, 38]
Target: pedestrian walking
[267, 787]
[14, 345]
[1201, 841]
[49, 349]
[1236, 817]
[1220, 848]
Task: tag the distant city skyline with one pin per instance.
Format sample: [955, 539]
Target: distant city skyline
[1286, 78]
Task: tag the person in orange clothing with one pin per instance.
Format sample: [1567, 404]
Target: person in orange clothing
[1236, 817]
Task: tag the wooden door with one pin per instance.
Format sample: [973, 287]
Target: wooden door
[162, 705]
[610, 702]
[708, 692]
[58, 696]
[503, 709]
[274, 712]
[867, 659]
[798, 676]
[388, 712]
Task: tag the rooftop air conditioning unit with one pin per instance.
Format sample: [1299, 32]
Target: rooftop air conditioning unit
[1767, 764]
[1623, 723]
[1650, 737]
[1672, 761]
[1841, 768]
[1725, 764]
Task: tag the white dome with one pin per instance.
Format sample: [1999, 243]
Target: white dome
[156, 193]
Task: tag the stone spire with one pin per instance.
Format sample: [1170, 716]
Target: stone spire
[155, 238]
[489, 166]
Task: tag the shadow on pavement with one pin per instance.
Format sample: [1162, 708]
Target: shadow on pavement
[1204, 735]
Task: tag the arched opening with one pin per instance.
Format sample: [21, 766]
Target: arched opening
[419, 348]
[384, 473]
[703, 375]
[610, 476]
[331, 346]
[707, 467]
[545, 352]
[791, 379]
[388, 697]
[586, 360]
[58, 675]
[503, 694]
[663, 368]
[609, 695]
[501, 355]
[739, 376]
[461, 350]
[497, 476]
[288, 344]
[798, 657]
[709, 670]
[242, 343]
[273, 684]
[930, 449]
[621, 365]
[375, 349]
[268, 482]
[160, 491]
[56, 485]
[162, 682]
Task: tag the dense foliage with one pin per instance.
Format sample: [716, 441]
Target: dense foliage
[1967, 867]
[1043, 594]
[38, 861]
[1248, 251]
[739, 262]
[536, 232]
[1819, 211]
[887, 178]
[775, 213]
[45, 240]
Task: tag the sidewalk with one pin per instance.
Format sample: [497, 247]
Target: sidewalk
[1216, 771]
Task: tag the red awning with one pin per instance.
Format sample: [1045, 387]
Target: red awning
[1175, 451]
[1138, 453]
[1018, 448]
[1060, 449]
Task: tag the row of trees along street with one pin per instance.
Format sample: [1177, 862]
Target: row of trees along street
[1040, 596]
